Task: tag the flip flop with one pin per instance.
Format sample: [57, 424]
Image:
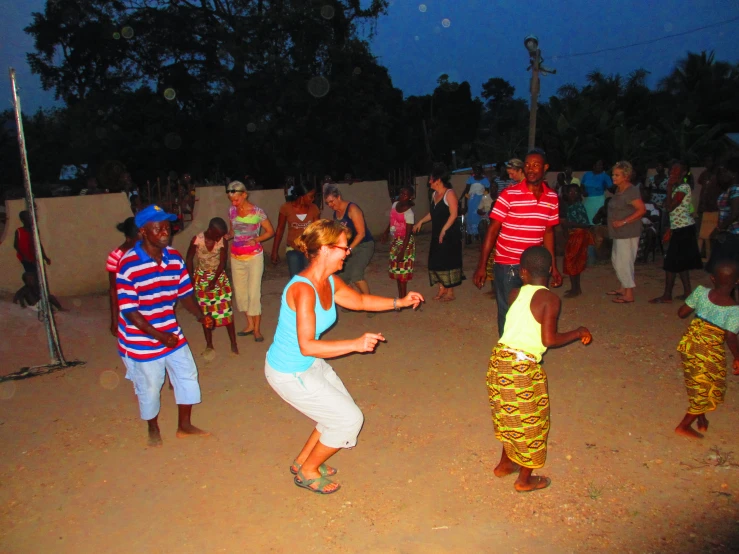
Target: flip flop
[621, 300]
[244, 333]
[323, 482]
[614, 293]
[546, 480]
[324, 470]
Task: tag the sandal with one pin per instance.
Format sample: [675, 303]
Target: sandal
[326, 471]
[244, 333]
[614, 293]
[621, 300]
[323, 482]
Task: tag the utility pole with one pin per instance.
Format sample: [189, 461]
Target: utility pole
[537, 68]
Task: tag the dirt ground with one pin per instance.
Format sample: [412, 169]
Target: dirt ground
[76, 475]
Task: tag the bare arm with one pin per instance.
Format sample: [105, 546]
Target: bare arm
[453, 204]
[267, 231]
[346, 297]
[420, 222]
[684, 311]
[113, 297]
[549, 245]
[281, 224]
[547, 313]
[190, 257]
[639, 211]
[487, 248]
[223, 258]
[302, 298]
[355, 214]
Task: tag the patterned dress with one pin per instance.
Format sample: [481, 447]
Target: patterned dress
[215, 301]
[702, 351]
[578, 241]
[401, 268]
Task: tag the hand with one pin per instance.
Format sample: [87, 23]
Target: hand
[417, 227]
[556, 278]
[585, 336]
[441, 236]
[169, 340]
[368, 341]
[275, 258]
[48, 261]
[114, 329]
[208, 322]
[228, 236]
[413, 299]
[480, 277]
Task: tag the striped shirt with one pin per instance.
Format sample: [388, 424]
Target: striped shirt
[153, 290]
[524, 219]
[114, 258]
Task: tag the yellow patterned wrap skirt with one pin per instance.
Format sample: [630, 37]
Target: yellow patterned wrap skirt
[704, 365]
[519, 399]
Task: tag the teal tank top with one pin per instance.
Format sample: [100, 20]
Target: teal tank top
[284, 353]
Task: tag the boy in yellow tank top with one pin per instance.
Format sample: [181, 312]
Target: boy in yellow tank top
[517, 384]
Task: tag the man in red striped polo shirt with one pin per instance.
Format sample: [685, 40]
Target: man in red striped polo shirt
[151, 278]
[524, 215]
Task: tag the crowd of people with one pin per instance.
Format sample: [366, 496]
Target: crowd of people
[326, 257]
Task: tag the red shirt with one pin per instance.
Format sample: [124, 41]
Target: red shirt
[25, 252]
[525, 220]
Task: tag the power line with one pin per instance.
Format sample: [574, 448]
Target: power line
[565, 56]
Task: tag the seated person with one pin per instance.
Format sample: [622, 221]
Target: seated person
[30, 293]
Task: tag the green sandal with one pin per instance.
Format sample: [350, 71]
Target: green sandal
[326, 471]
[301, 481]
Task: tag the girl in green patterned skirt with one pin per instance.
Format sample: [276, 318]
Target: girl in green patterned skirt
[212, 287]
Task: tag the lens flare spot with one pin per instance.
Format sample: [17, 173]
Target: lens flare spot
[7, 390]
[318, 86]
[127, 32]
[77, 302]
[251, 127]
[116, 35]
[446, 22]
[170, 94]
[422, 8]
[357, 71]
[109, 379]
[327, 12]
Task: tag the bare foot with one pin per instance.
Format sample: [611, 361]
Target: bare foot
[447, 298]
[439, 295]
[702, 424]
[688, 432]
[234, 350]
[155, 438]
[534, 483]
[191, 431]
[661, 300]
[506, 468]
[572, 293]
[682, 296]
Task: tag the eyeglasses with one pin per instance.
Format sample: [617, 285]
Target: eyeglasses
[233, 191]
[346, 249]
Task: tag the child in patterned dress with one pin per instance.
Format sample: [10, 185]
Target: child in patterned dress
[402, 242]
[702, 345]
[212, 287]
[517, 384]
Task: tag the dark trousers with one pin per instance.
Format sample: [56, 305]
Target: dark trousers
[507, 278]
[296, 262]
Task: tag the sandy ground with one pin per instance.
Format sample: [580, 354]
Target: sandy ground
[76, 475]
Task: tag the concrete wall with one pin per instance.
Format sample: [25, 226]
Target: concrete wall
[78, 232]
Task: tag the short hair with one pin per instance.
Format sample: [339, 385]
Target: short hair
[128, 228]
[440, 172]
[409, 189]
[679, 162]
[331, 190]
[25, 214]
[725, 272]
[626, 167]
[477, 166]
[320, 233]
[539, 151]
[537, 261]
[302, 188]
[218, 224]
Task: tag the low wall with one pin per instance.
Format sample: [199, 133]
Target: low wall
[78, 232]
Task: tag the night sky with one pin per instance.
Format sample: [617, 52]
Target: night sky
[473, 40]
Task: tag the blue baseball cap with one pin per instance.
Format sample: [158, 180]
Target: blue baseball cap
[152, 214]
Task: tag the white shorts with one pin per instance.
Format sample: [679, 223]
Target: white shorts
[319, 394]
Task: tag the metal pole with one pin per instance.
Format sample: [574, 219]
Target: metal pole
[534, 99]
[52, 337]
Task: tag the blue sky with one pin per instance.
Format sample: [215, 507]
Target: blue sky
[483, 39]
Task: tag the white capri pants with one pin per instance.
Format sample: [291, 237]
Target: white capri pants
[246, 280]
[623, 256]
[319, 394]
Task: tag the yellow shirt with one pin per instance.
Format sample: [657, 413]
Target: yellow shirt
[522, 331]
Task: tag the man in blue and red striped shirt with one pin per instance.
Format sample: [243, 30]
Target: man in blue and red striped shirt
[151, 278]
[524, 215]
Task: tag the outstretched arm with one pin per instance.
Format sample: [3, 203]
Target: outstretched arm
[549, 313]
[346, 297]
